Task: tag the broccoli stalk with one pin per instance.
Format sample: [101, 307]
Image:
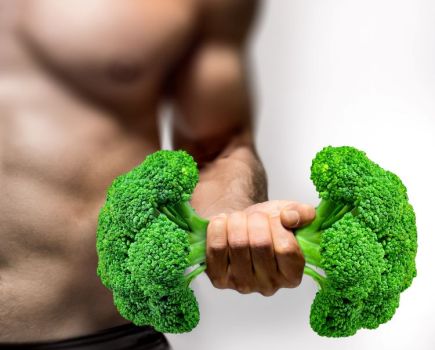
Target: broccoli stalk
[183, 215]
[327, 213]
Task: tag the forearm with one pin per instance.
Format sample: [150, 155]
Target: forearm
[232, 181]
[213, 122]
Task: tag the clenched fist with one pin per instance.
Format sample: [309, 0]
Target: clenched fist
[254, 250]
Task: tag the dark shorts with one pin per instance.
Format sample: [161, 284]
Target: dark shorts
[125, 337]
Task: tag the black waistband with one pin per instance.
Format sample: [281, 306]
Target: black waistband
[125, 337]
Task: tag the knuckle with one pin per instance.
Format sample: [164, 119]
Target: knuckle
[237, 217]
[258, 222]
[218, 221]
[217, 245]
[237, 232]
[217, 224]
[288, 249]
[238, 243]
[258, 216]
[261, 243]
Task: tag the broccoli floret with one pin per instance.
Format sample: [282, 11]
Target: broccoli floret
[163, 252]
[175, 310]
[333, 313]
[363, 240]
[349, 254]
[151, 243]
[133, 304]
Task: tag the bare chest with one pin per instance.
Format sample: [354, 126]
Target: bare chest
[109, 49]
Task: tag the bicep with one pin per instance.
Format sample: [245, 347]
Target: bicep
[213, 107]
[213, 100]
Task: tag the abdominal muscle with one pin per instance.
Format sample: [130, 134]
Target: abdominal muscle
[56, 160]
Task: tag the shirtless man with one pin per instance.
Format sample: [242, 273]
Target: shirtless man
[81, 83]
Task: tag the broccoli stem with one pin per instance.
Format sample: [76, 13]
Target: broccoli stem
[191, 275]
[310, 250]
[196, 224]
[173, 217]
[197, 253]
[323, 212]
[315, 275]
[186, 218]
[337, 215]
[309, 237]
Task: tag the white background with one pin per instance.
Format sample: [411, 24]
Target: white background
[340, 72]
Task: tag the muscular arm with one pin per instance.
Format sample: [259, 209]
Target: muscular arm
[213, 121]
[214, 114]
[218, 132]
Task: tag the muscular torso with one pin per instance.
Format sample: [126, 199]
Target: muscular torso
[80, 87]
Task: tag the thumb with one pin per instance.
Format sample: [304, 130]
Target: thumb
[297, 215]
[290, 218]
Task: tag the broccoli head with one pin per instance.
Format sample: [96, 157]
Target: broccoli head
[151, 243]
[363, 239]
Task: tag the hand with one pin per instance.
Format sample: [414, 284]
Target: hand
[254, 250]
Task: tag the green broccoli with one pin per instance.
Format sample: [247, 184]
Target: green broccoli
[364, 239]
[151, 243]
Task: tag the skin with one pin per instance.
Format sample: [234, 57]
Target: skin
[252, 251]
[80, 91]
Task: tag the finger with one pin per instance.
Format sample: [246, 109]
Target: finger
[297, 214]
[261, 246]
[239, 254]
[287, 253]
[217, 250]
[272, 206]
